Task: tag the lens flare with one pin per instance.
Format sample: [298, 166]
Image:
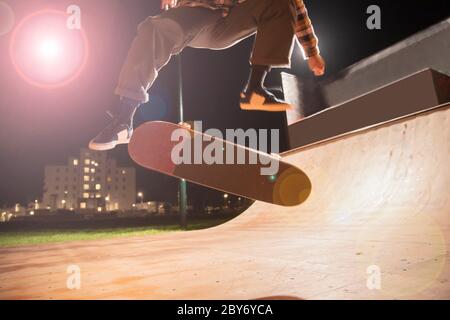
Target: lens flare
[46, 53]
[49, 49]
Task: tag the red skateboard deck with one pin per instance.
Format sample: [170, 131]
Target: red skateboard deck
[151, 146]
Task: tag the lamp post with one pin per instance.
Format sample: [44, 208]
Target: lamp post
[225, 197]
[107, 199]
[182, 188]
[141, 196]
[182, 184]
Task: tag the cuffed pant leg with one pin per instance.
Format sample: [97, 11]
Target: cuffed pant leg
[273, 21]
[276, 34]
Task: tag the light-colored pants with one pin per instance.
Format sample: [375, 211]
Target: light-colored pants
[162, 36]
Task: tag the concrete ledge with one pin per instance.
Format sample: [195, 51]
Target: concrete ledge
[420, 91]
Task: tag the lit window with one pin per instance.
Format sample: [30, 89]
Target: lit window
[92, 170]
[87, 162]
[86, 170]
[75, 162]
[99, 209]
[86, 179]
[86, 187]
[98, 195]
[93, 162]
[83, 205]
[109, 179]
[124, 172]
[98, 187]
[86, 195]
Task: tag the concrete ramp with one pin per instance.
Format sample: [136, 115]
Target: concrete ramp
[380, 203]
[375, 227]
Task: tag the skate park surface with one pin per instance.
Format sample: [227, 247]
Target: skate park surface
[376, 226]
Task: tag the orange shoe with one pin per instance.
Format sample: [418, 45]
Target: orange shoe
[262, 100]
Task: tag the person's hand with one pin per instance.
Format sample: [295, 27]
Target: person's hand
[168, 4]
[185, 125]
[317, 65]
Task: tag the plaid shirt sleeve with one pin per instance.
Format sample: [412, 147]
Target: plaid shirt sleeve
[305, 31]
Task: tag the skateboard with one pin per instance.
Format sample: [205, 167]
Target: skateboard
[159, 146]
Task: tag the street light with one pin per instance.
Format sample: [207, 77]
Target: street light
[141, 196]
[107, 199]
[225, 198]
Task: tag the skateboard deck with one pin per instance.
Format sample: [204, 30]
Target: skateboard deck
[151, 146]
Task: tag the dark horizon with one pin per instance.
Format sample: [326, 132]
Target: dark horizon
[40, 127]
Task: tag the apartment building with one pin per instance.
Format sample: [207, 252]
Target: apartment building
[92, 182]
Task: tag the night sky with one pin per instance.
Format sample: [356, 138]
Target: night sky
[40, 127]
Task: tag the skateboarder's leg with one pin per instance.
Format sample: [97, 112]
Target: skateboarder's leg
[273, 21]
[157, 40]
[273, 48]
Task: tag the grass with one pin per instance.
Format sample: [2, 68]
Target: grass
[26, 238]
